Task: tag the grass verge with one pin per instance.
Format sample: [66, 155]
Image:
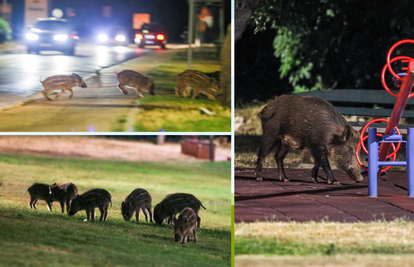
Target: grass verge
[41, 238]
[166, 112]
[323, 240]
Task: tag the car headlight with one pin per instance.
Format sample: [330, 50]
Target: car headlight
[102, 37]
[60, 37]
[120, 38]
[32, 36]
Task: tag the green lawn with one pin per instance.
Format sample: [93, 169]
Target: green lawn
[41, 238]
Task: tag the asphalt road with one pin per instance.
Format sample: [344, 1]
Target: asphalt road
[20, 72]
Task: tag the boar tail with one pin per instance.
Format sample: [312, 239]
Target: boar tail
[202, 206]
[40, 79]
[26, 191]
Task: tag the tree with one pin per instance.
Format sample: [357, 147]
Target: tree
[326, 44]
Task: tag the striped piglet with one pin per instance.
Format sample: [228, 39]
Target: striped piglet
[138, 199]
[40, 191]
[185, 225]
[175, 203]
[64, 193]
[89, 200]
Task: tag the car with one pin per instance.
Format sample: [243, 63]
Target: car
[51, 34]
[151, 34]
[112, 36]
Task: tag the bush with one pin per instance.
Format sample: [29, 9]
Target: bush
[4, 31]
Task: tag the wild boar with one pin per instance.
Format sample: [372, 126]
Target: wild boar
[62, 82]
[64, 194]
[134, 79]
[313, 123]
[199, 82]
[89, 200]
[40, 191]
[185, 225]
[175, 203]
[138, 199]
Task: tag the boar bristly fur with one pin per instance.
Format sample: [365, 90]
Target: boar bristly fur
[89, 200]
[312, 123]
[64, 194]
[40, 191]
[185, 225]
[138, 199]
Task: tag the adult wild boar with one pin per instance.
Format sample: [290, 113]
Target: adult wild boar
[308, 122]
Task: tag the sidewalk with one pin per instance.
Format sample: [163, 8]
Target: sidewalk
[99, 107]
[301, 200]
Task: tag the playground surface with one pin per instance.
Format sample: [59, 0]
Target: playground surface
[302, 200]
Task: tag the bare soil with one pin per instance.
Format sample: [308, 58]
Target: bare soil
[97, 148]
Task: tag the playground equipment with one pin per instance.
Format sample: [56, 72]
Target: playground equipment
[405, 82]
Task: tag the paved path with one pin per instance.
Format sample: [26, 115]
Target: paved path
[301, 200]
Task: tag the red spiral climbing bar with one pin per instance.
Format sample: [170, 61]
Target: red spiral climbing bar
[401, 102]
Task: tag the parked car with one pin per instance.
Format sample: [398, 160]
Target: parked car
[151, 34]
[51, 34]
[113, 36]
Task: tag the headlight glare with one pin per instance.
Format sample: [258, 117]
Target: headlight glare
[102, 37]
[32, 36]
[60, 37]
[120, 38]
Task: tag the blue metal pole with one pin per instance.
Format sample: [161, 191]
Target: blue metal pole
[410, 161]
[372, 162]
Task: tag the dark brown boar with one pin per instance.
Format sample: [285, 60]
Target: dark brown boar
[138, 199]
[64, 194]
[40, 191]
[185, 225]
[308, 122]
[175, 203]
[89, 200]
[137, 80]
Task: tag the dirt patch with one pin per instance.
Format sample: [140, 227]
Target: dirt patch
[97, 148]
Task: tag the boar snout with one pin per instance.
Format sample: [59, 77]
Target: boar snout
[84, 85]
[355, 174]
[177, 237]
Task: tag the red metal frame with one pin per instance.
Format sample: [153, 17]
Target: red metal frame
[400, 103]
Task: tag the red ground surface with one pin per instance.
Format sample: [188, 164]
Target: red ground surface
[301, 200]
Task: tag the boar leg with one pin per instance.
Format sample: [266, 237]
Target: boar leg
[280, 155]
[321, 158]
[195, 234]
[61, 92]
[62, 205]
[314, 172]
[268, 144]
[49, 205]
[70, 91]
[145, 211]
[45, 95]
[67, 205]
[123, 89]
[210, 96]
[198, 221]
[196, 92]
[35, 203]
[137, 215]
[32, 202]
[177, 88]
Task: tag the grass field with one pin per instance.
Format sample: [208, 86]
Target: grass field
[41, 238]
[165, 111]
[324, 243]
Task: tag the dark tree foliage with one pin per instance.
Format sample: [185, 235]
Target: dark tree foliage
[323, 44]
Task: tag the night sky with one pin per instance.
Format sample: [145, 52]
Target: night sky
[172, 14]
